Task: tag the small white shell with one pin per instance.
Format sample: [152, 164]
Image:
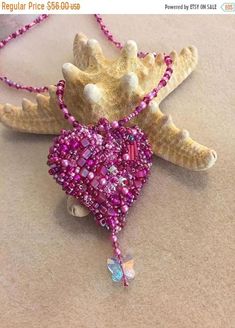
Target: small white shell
[75, 208]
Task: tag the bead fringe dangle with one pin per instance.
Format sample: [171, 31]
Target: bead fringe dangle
[120, 267]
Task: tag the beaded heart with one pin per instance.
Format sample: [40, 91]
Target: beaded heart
[104, 166]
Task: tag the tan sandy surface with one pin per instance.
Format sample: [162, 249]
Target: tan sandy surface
[181, 231]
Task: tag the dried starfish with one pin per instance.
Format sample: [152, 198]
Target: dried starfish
[97, 86]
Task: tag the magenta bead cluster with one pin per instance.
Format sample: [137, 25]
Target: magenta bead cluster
[95, 165]
[13, 36]
[105, 165]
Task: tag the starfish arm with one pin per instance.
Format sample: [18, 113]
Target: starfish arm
[86, 52]
[34, 118]
[88, 55]
[173, 144]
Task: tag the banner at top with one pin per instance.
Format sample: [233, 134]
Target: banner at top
[117, 7]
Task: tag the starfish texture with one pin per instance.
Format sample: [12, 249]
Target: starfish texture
[99, 87]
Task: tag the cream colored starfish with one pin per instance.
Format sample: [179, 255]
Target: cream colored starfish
[99, 87]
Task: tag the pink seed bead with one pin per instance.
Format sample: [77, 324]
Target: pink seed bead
[77, 177]
[65, 162]
[103, 181]
[114, 238]
[101, 128]
[142, 105]
[115, 124]
[150, 96]
[124, 208]
[91, 175]
[90, 162]
[125, 191]
[162, 82]
[117, 251]
[71, 119]
[134, 132]
[126, 157]
[168, 61]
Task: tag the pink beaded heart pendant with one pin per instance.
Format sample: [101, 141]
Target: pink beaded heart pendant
[104, 166]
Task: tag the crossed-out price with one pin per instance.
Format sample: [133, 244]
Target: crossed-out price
[52, 5]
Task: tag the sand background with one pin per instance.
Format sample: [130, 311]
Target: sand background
[181, 231]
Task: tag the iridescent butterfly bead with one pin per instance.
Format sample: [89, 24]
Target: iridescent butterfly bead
[116, 270]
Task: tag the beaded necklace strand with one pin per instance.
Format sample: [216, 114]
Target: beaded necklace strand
[85, 178]
[106, 32]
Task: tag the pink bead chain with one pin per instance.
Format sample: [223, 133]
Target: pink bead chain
[138, 109]
[119, 256]
[111, 38]
[60, 96]
[13, 36]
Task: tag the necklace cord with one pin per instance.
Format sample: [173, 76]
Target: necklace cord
[13, 36]
[61, 84]
[109, 36]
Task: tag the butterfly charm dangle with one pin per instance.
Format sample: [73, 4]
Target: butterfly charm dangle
[117, 269]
